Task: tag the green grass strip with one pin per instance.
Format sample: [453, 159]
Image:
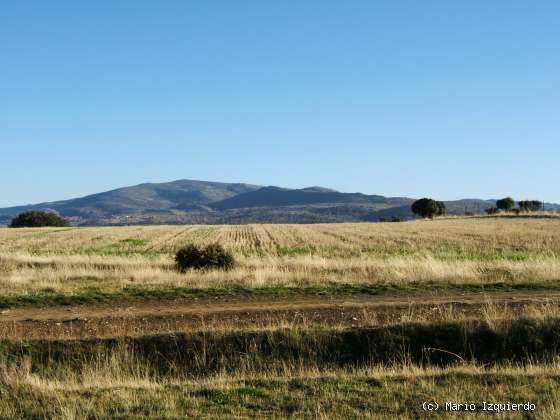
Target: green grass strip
[92, 296]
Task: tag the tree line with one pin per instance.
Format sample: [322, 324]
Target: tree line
[508, 204]
[429, 208]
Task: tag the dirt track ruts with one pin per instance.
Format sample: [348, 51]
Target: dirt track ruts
[151, 317]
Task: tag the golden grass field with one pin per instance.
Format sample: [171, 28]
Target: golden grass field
[470, 250]
[58, 359]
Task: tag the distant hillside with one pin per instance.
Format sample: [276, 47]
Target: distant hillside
[189, 201]
[280, 197]
[144, 198]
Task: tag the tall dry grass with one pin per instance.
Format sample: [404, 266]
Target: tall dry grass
[24, 273]
[117, 386]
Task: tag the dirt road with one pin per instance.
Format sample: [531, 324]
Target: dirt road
[149, 317]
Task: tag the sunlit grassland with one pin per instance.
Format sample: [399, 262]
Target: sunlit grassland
[453, 251]
[468, 238]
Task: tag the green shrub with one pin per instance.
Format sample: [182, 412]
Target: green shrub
[36, 218]
[190, 256]
[217, 257]
[199, 258]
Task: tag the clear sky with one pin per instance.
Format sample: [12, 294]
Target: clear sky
[448, 99]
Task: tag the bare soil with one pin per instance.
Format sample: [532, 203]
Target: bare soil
[227, 314]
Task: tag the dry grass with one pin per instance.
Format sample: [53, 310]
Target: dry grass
[118, 387]
[23, 273]
[450, 250]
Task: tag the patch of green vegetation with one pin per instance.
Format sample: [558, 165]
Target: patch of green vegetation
[488, 254]
[463, 254]
[398, 397]
[93, 295]
[113, 250]
[284, 251]
[450, 252]
[249, 391]
[123, 248]
[134, 242]
[214, 396]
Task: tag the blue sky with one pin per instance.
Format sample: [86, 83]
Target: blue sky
[408, 98]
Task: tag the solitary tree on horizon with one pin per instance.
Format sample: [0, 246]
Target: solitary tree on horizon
[505, 204]
[426, 207]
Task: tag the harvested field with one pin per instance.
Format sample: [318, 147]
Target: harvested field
[470, 238]
[472, 250]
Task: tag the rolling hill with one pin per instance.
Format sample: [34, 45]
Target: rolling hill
[182, 195]
[190, 201]
[280, 197]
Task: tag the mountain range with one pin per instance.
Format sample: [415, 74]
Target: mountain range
[190, 201]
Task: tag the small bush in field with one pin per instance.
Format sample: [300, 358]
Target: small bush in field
[189, 256]
[216, 256]
[198, 258]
